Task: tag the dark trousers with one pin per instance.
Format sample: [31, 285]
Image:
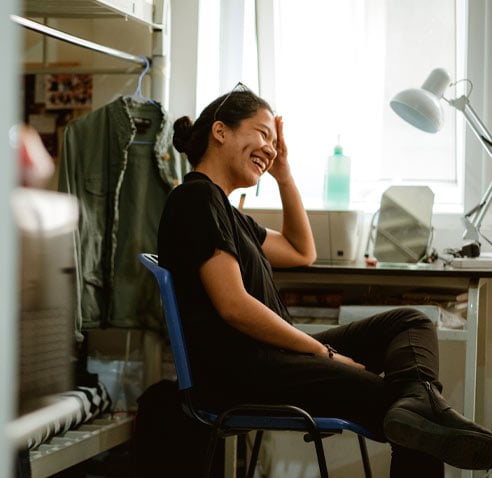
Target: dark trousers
[396, 347]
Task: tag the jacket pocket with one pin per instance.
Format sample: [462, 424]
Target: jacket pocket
[95, 185]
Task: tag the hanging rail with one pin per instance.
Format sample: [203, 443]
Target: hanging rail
[39, 27]
[80, 70]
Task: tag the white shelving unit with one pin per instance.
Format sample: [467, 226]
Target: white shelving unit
[61, 451]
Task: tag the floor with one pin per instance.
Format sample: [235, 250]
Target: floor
[115, 463]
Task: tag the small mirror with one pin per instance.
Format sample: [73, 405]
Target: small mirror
[404, 224]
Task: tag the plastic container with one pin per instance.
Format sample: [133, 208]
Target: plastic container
[336, 193]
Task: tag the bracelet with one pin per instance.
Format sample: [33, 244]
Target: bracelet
[331, 350]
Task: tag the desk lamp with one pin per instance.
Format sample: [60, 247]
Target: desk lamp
[422, 108]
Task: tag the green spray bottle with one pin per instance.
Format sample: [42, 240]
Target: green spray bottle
[336, 193]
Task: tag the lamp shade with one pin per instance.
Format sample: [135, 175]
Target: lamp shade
[421, 107]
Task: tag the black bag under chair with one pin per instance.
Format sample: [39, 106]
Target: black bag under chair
[168, 443]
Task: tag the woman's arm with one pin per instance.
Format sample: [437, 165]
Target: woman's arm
[222, 280]
[223, 283]
[294, 245]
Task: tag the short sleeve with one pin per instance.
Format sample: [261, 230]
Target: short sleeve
[197, 220]
[258, 230]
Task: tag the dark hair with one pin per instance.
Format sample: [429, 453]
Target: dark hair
[192, 138]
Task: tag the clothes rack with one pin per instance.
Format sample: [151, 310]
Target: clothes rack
[52, 32]
[159, 79]
[159, 73]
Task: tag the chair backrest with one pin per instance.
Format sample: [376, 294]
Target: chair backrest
[173, 319]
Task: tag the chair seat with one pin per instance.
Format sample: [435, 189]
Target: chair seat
[286, 423]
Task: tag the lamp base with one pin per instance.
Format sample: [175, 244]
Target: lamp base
[470, 249]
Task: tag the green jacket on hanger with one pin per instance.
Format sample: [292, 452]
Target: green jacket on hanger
[120, 163]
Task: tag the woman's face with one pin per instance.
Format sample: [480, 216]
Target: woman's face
[251, 149]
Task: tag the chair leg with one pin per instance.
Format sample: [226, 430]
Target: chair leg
[323, 470]
[209, 458]
[365, 456]
[316, 437]
[254, 454]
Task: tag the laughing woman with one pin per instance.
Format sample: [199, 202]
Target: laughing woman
[381, 372]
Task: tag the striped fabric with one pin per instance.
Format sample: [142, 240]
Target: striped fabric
[92, 402]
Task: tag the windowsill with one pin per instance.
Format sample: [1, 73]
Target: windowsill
[366, 196]
[448, 212]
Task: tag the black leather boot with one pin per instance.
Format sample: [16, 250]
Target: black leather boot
[422, 420]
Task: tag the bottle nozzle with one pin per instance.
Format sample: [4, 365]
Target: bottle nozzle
[338, 148]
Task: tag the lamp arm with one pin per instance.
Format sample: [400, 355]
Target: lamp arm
[474, 122]
[473, 219]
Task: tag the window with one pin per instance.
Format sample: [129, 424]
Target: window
[330, 68]
[337, 65]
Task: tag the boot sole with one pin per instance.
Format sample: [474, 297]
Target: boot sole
[461, 448]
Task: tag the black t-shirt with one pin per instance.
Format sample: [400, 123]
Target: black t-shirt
[197, 220]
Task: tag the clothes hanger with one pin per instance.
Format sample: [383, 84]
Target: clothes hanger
[137, 94]
[140, 97]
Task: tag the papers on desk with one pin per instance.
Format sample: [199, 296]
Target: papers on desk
[404, 265]
[438, 315]
[484, 261]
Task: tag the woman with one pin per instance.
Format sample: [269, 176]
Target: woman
[242, 345]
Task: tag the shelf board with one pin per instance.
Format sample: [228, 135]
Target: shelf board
[64, 9]
[150, 12]
[74, 446]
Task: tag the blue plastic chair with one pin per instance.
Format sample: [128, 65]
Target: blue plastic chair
[247, 417]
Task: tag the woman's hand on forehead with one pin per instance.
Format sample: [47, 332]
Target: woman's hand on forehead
[280, 168]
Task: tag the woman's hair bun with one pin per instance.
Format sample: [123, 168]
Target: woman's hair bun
[183, 128]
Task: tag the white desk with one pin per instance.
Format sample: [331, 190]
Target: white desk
[371, 280]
